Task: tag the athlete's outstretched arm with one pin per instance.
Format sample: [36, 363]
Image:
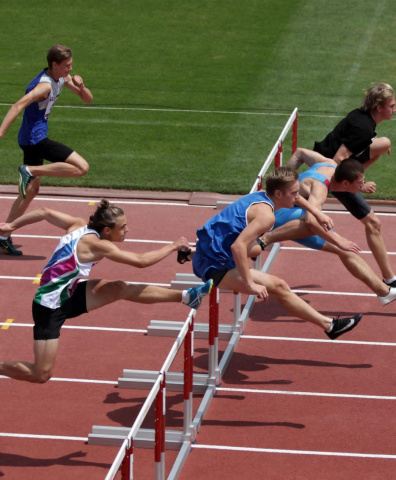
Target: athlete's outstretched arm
[59, 219]
[309, 157]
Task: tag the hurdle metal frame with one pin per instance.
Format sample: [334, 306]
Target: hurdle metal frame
[187, 382]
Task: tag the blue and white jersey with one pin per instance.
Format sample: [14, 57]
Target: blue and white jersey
[34, 124]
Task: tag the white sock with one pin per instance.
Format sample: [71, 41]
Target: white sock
[331, 327]
[390, 280]
[3, 238]
[185, 296]
[29, 172]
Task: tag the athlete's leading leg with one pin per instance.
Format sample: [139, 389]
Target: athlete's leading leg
[38, 372]
[376, 244]
[104, 292]
[74, 166]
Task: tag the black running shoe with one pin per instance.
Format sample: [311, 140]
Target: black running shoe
[9, 248]
[343, 325]
[184, 255]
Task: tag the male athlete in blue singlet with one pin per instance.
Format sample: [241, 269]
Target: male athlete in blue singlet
[298, 225]
[225, 242]
[40, 96]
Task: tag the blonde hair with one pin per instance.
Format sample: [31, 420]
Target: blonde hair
[377, 95]
[279, 178]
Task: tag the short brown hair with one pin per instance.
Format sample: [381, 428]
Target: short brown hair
[349, 170]
[279, 178]
[58, 53]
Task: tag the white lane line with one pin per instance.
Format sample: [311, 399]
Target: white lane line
[307, 394]
[75, 380]
[292, 452]
[43, 437]
[317, 340]
[9, 277]
[79, 327]
[130, 240]
[119, 202]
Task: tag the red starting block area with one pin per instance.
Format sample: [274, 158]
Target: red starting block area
[238, 389]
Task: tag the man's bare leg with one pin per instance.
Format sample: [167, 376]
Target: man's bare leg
[40, 371]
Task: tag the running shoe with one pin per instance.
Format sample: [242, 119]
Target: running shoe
[343, 325]
[196, 294]
[9, 248]
[184, 255]
[388, 298]
[24, 179]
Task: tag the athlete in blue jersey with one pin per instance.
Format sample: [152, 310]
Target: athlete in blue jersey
[296, 224]
[65, 290]
[225, 244]
[37, 103]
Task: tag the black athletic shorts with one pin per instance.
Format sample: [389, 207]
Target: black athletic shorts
[48, 322]
[46, 149]
[354, 203]
[217, 276]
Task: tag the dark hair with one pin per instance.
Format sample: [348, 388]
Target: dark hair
[349, 170]
[105, 215]
[279, 178]
[58, 53]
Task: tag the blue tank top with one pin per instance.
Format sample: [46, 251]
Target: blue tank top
[221, 231]
[312, 173]
[35, 117]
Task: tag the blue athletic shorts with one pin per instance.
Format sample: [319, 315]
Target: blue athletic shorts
[206, 268]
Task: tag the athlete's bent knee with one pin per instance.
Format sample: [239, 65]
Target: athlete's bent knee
[82, 168]
[42, 376]
[373, 224]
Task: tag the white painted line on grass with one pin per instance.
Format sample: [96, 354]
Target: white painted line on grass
[292, 452]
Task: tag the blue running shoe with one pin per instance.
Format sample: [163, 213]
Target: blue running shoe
[24, 179]
[198, 293]
[9, 248]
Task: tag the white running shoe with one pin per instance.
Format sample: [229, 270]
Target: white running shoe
[388, 298]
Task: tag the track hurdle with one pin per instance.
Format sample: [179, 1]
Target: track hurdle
[188, 382]
[158, 438]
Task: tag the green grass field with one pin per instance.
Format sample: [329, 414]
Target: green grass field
[192, 95]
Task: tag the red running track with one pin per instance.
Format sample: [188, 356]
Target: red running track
[292, 404]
